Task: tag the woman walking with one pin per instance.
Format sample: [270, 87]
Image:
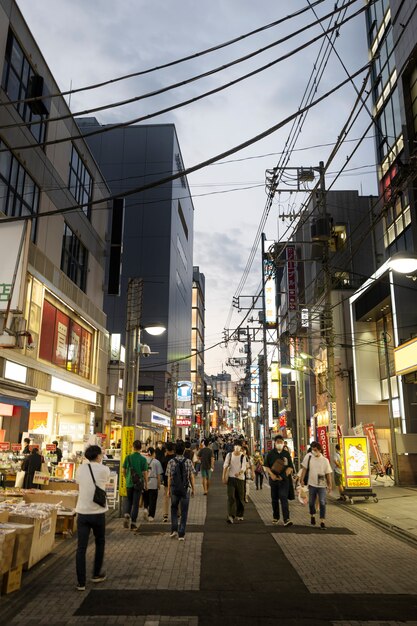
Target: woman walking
[258, 465]
[91, 516]
[319, 481]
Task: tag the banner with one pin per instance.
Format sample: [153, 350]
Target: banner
[128, 434]
[369, 431]
[323, 440]
[357, 471]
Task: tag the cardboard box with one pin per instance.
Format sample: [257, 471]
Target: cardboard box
[68, 499]
[7, 542]
[55, 485]
[4, 516]
[23, 541]
[12, 580]
[43, 538]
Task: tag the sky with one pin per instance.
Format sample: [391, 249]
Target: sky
[87, 42]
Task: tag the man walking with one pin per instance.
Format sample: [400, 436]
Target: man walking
[169, 455]
[319, 482]
[135, 470]
[206, 457]
[279, 466]
[337, 460]
[234, 470]
[180, 473]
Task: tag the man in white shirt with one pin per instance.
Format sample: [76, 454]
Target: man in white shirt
[319, 481]
[91, 516]
[337, 461]
[234, 470]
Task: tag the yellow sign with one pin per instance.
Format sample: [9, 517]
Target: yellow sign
[128, 434]
[357, 471]
[129, 400]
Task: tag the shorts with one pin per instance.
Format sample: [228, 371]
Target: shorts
[337, 479]
[206, 473]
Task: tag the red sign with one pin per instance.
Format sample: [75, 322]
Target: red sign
[5, 445]
[51, 447]
[369, 431]
[183, 421]
[36, 445]
[16, 447]
[323, 440]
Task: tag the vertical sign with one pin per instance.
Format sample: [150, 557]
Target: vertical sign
[323, 440]
[128, 433]
[369, 431]
[291, 278]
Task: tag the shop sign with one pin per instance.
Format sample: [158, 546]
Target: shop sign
[183, 421]
[129, 401]
[46, 526]
[184, 391]
[270, 293]
[4, 446]
[323, 440]
[160, 420]
[50, 447]
[12, 236]
[357, 471]
[184, 411]
[16, 447]
[35, 445]
[292, 278]
[369, 431]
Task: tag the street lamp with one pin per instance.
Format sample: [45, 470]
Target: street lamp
[403, 262]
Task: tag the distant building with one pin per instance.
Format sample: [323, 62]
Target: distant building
[197, 345]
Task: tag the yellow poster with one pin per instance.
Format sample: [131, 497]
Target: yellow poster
[357, 471]
[128, 434]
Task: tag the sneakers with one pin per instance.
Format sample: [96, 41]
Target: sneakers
[145, 514]
[126, 521]
[275, 521]
[239, 519]
[165, 518]
[80, 587]
[133, 526]
[150, 519]
[322, 525]
[181, 538]
[173, 534]
[313, 520]
[99, 579]
[287, 522]
[230, 520]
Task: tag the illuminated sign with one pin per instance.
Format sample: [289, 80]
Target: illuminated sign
[291, 278]
[357, 471]
[183, 421]
[75, 391]
[405, 357]
[305, 321]
[161, 420]
[184, 391]
[270, 293]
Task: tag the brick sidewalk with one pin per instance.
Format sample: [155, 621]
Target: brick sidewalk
[227, 574]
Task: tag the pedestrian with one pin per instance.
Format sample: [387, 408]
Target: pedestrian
[206, 457]
[196, 460]
[188, 453]
[234, 469]
[249, 471]
[31, 464]
[58, 453]
[26, 449]
[160, 451]
[135, 470]
[155, 473]
[215, 447]
[337, 460]
[180, 472]
[258, 465]
[169, 455]
[319, 481]
[91, 516]
[279, 466]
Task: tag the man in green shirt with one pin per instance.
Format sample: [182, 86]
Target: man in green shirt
[134, 464]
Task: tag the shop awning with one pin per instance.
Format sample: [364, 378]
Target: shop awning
[16, 394]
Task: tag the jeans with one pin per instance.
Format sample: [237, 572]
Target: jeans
[235, 497]
[133, 497]
[259, 479]
[85, 523]
[313, 492]
[150, 498]
[176, 501]
[279, 493]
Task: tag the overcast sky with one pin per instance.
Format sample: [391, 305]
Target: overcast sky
[85, 42]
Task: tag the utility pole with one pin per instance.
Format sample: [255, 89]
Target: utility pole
[133, 320]
[390, 411]
[264, 370]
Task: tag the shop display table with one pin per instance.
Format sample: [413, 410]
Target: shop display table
[43, 537]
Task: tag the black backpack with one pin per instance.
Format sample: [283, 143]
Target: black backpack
[179, 480]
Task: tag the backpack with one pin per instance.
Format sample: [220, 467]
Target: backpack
[136, 479]
[179, 479]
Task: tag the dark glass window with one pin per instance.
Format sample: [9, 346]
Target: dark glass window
[145, 393]
[19, 195]
[80, 182]
[17, 73]
[74, 258]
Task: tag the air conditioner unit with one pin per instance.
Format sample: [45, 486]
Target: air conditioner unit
[38, 89]
[8, 341]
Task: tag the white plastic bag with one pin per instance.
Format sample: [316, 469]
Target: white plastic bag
[302, 495]
[20, 477]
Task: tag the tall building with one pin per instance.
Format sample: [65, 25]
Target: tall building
[197, 346]
[157, 248]
[53, 341]
[384, 323]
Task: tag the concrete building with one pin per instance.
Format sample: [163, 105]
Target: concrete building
[53, 341]
[157, 248]
[197, 346]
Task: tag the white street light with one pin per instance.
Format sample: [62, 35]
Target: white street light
[403, 262]
[155, 330]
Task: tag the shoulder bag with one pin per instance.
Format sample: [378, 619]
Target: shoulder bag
[137, 480]
[99, 497]
[306, 475]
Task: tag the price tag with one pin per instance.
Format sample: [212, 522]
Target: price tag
[4, 446]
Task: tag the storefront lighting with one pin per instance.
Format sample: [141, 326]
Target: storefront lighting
[74, 391]
[112, 403]
[286, 370]
[14, 371]
[403, 262]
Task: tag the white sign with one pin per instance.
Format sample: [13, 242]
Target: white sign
[184, 411]
[161, 420]
[183, 421]
[184, 391]
[12, 236]
[304, 318]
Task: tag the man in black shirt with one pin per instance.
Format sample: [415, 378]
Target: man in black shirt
[279, 466]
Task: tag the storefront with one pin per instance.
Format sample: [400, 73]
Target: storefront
[154, 424]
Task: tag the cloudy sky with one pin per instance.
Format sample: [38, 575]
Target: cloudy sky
[85, 42]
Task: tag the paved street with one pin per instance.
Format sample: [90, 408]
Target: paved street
[353, 573]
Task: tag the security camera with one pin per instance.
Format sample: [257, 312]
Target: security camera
[145, 350]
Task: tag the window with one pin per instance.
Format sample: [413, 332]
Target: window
[74, 258]
[413, 97]
[389, 126]
[145, 393]
[17, 75]
[80, 182]
[19, 195]
[183, 222]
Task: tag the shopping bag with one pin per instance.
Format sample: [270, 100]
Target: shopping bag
[20, 478]
[39, 478]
